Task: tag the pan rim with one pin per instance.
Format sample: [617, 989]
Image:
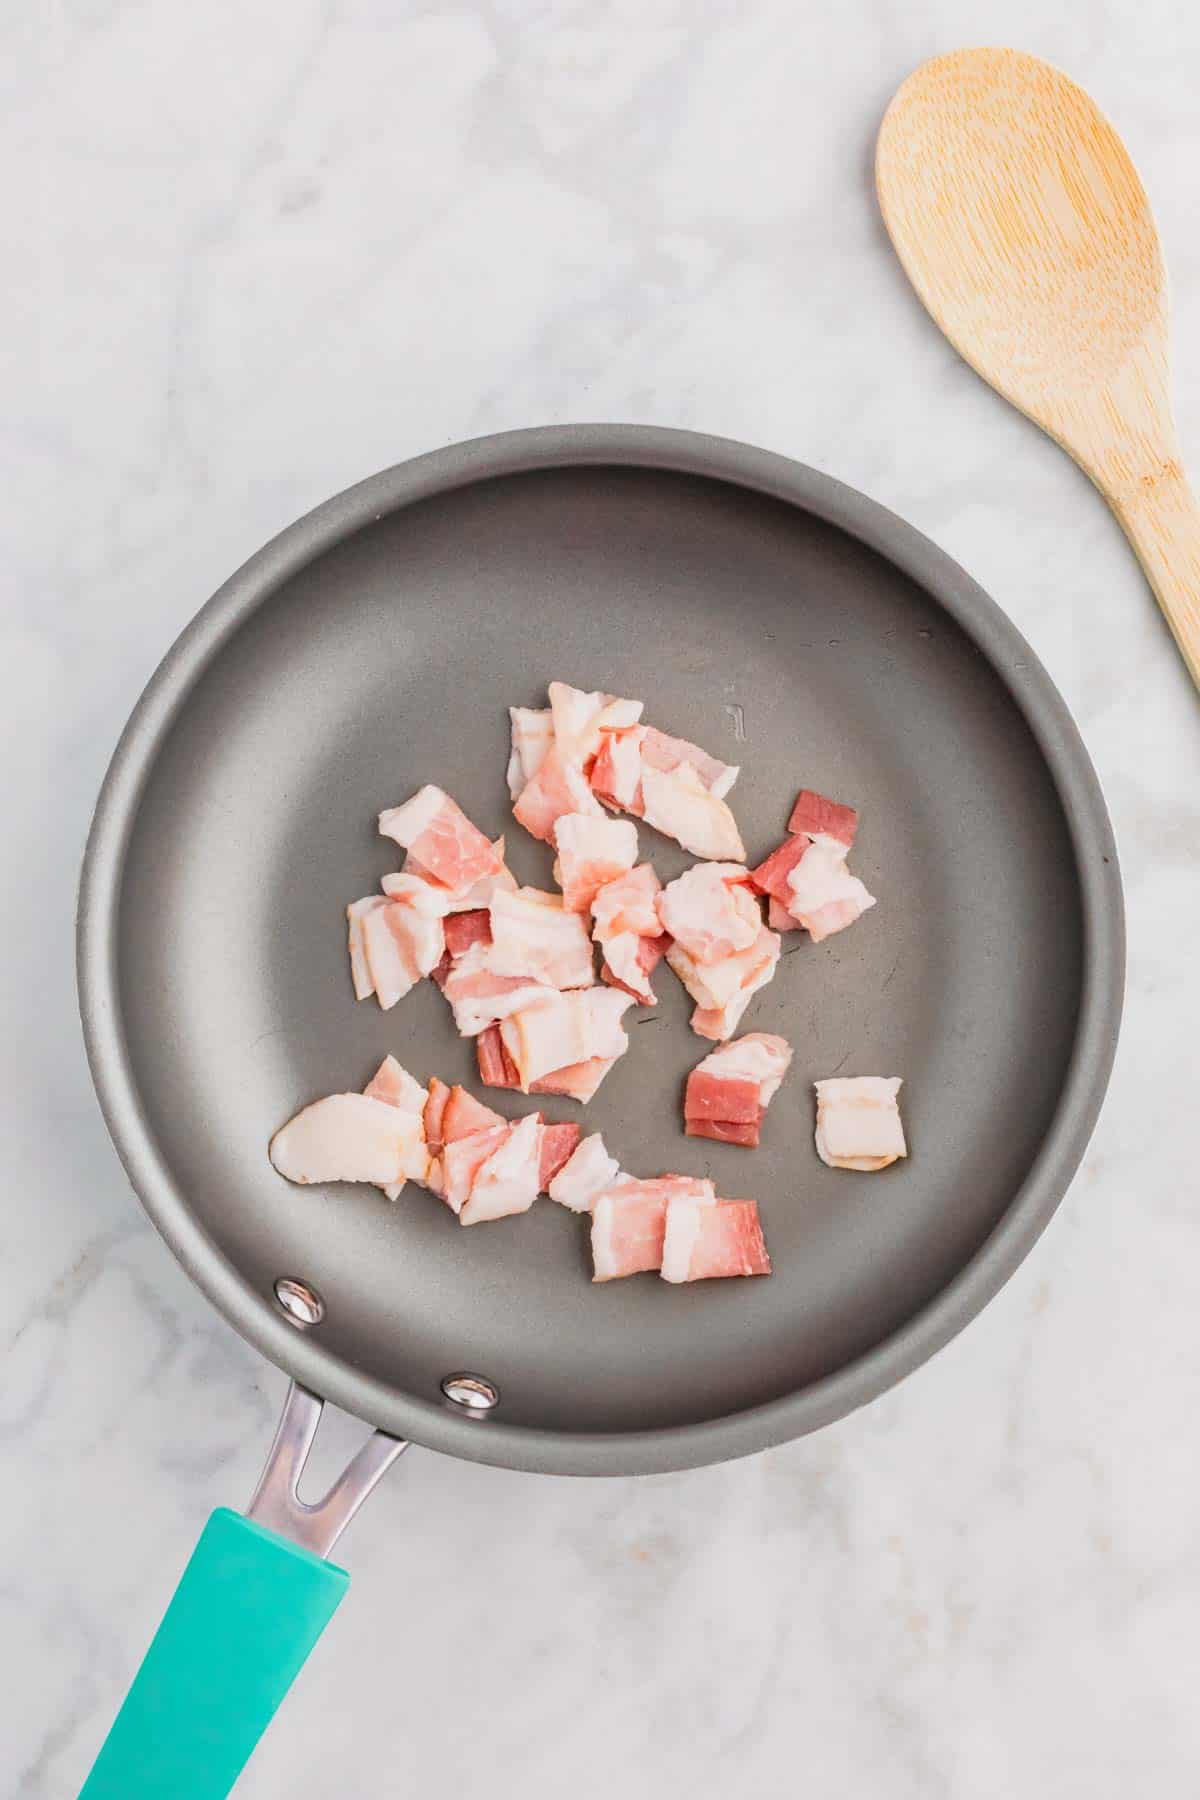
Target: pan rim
[1033, 1203]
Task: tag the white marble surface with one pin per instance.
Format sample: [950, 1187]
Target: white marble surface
[253, 252]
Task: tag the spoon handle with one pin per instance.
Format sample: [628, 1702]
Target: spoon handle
[1160, 516]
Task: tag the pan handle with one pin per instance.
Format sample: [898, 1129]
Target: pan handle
[251, 1603]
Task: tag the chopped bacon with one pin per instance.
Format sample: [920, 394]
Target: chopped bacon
[667, 753]
[387, 938]
[435, 1112]
[463, 1159]
[558, 1146]
[360, 968]
[771, 875]
[710, 911]
[728, 1093]
[629, 962]
[351, 1137]
[479, 996]
[558, 787]
[534, 935]
[394, 1085]
[858, 1122]
[582, 720]
[577, 1081]
[677, 803]
[532, 736]
[703, 1242]
[591, 852]
[463, 929]
[508, 1181]
[437, 832]
[628, 904]
[823, 895]
[731, 1098]
[586, 1173]
[617, 771]
[470, 898]
[717, 986]
[564, 1029]
[818, 817]
[496, 1066]
[629, 1222]
[464, 1115]
[779, 918]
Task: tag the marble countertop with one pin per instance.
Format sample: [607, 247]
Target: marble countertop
[255, 253]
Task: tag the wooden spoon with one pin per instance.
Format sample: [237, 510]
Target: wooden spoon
[1020, 220]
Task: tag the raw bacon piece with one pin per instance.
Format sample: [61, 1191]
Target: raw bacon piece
[702, 1242]
[479, 996]
[351, 1137]
[629, 1222]
[627, 1234]
[558, 1145]
[581, 720]
[824, 896]
[591, 852]
[465, 899]
[729, 1098]
[508, 1181]
[419, 920]
[586, 1173]
[535, 936]
[667, 753]
[678, 804]
[629, 962]
[617, 771]
[710, 911]
[496, 1066]
[558, 787]
[714, 985]
[858, 1122]
[725, 1131]
[435, 1112]
[394, 1085]
[532, 736]
[564, 1029]
[578, 1081]
[818, 817]
[722, 991]
[729, 1092]
[462, 1161]
[388, 944]
[771, 875]
[463, 929]
[628, 904]
[397, 1087]
[464, 1115]
[779, 918]
[441, 837]
[360, 968]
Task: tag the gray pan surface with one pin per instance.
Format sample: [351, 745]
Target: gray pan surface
[376, 645]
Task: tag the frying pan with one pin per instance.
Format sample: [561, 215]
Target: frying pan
[786, 623]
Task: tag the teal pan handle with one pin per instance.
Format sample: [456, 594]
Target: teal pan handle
[247, 1611]
[255, 1597]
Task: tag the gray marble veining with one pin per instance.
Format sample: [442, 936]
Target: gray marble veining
[255, 253]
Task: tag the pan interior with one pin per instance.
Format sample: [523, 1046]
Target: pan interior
[773, 639]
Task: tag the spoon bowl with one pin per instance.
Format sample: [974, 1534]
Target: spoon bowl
[1021, 222]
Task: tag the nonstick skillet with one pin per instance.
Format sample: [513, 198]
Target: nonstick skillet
[788, 624]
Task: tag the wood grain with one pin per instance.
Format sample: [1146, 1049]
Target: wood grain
[1022, 223]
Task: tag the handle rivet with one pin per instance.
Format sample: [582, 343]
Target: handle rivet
[471, 1393]
[302, 1303]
